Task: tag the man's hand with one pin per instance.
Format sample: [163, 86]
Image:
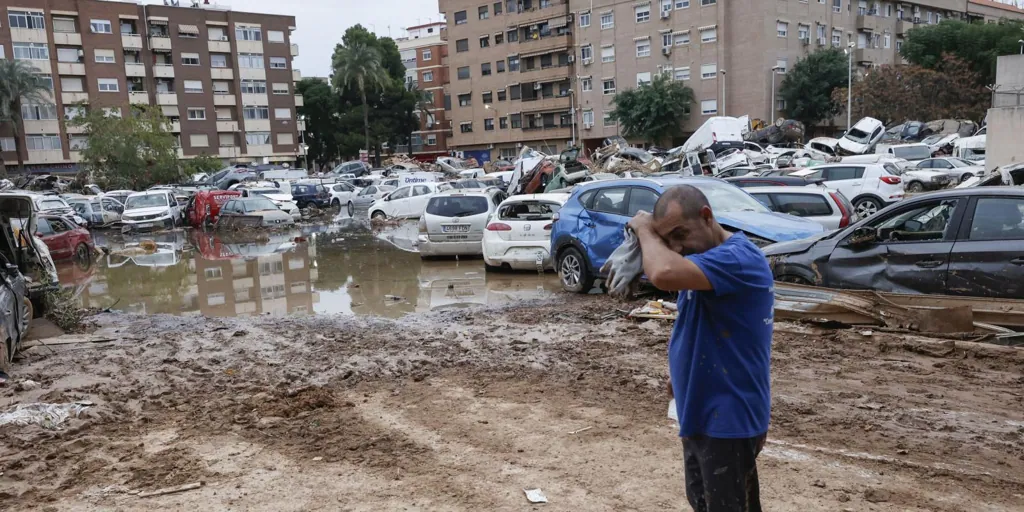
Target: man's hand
[642, 221]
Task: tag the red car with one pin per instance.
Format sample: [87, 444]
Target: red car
[64, 238]
[204, 207]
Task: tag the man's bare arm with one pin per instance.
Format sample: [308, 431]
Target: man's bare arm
[668, 270]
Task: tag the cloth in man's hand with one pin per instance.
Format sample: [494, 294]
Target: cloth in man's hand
[624, 267]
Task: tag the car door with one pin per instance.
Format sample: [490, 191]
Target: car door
[607, 212]
[911, 252]
[988, 257]
[397, 204]
[849, 180]
[419, 197]
[365, 196]
[111, 210]
[55, 234]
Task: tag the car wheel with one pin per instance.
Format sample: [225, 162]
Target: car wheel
[966, 176]
[337, 207]
[867, 206]
[491, 268]
[915, 187]
[351, 209]
[572, 270]
[82, 253]
[378, 215]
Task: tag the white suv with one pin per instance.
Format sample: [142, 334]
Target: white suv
[822, 205]
[454, 222]
[870, 187]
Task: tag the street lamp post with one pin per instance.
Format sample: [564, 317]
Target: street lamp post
[771, 108]
[849, 88]
[723, 91]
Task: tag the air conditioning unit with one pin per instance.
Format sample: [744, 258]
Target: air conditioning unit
[666, 51]
[223, 38]
[665, 14]
[587, 62]
[587, 126]
[571, 59]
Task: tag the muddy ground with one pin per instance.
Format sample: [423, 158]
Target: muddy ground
[462, 410]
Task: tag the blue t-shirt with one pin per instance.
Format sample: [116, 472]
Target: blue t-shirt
[719, 353]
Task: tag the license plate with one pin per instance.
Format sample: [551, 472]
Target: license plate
[146, 225]
[455, 228]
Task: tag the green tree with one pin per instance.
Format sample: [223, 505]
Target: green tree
[323, 123]
[978, 44]
[808, 86]
[18, 83]
[655, 111]
[203, 163]
[359, 66]
[135, 151]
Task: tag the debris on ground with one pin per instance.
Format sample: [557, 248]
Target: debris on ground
[535, 496]
[171, 490]
[48, 416]
[657, 310]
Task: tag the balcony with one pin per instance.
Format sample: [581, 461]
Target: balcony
[224, 100]
[48, 156]
[295, 50]
[903, 26]
[252, 74]
[67, 38]
[68, 98]
[174, 126]
[76, 156]
[554, 130]
[249, 46]
[163, 71]
[299, 100]
[160, 43]
[543, 45]
[28, 35]
[257, 125]
[219, 46]
[138, 97]
[259, 150]
[222, 73]
[227, 126]
[868, 22]
[229, 151]
[131, 41]
[296, 75]
[868, 55]
[545, 104]
[72, 129]
[166, 98]
[41, 126]
[261, 100]
[545, 73]
[135, 69]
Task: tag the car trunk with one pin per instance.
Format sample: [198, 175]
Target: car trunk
[527, 221]
[456, 218]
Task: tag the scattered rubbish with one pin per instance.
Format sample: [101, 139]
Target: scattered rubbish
[877, 495]
[535, 496]
[867, 333]
[240, 333]
[902, 452]
[317, 459]
[67, 339]
[584, 429]
[656, 309]
[395, 298]
[171, 490]
[819, 483]
[871, 406]
[28, 385]
[48, 416]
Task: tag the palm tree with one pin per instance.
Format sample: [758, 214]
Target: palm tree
[360, 66]
[18, 82]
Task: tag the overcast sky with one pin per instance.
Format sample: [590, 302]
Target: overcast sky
[321, 23]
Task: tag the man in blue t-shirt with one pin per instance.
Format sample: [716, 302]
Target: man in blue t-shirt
[720, 347]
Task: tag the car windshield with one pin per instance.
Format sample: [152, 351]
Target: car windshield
[858, 136]
[258, 205]
[51, 204]
[147, 201]
[724, 197]
[932, 139]
[457, 206]
[468, 184]
[456, 164]
[912, 152]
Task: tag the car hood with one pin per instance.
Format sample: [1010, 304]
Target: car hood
[139, 212]
[793, 246]
[777, 227]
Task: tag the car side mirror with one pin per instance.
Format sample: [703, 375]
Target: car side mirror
[863, 236]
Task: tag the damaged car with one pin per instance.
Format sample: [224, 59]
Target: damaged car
[953, 242]
[861, 137]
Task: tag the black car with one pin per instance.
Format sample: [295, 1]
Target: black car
[307, 194]
[772, 181]
[955, 242]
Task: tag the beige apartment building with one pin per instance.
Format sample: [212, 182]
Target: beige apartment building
[223, 78]
[424, 51]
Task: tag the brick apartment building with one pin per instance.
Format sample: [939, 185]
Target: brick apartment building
[520, 67]
[424, 52]
[223, 78]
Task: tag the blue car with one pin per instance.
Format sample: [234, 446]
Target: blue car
[592, 223]
[311, 194]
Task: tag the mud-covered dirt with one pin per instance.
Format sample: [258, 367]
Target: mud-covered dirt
[462, 410]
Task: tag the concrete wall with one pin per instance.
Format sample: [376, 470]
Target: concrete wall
[1005, 141]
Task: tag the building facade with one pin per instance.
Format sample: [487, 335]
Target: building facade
[223, 78]
[424, 52]
[544, 72]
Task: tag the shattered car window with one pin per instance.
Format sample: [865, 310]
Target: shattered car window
[925, 223]
[529, 210]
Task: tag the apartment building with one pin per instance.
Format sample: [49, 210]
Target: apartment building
[223, 78]
[424, 52]
[511, 85]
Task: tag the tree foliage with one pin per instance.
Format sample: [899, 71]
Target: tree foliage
[18, 82]
[359, 67]
[323, 123]
[808, 87]
[135, 151]
[897, 93]
[655, 111]
[203, 163]
[978, 44]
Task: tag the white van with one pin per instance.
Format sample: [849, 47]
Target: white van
[971, 149]
[410, 178]
[717, 134]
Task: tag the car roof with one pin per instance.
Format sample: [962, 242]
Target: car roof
[795, 190]
[662, 181]
[556, 197]
[482, 192]
[150, 193]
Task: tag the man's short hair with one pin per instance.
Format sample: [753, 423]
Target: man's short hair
[689, 198]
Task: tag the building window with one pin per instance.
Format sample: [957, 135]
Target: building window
[39, 111]
[837, 5]
[516, 120]
[46, 81]
[101, 27]
[36, 51]
[64, 25]
[282, 113]
[780, 105]
[73, 112]
[485, 41]
[250, 60]
[431, 139]
[245, 33]
[426, 54]
[108, 85]
[899, 45]
[104, 56]
[26, 19]
[821, 35]
[608, 86]
[497, 8]
[216, 34]
[489, 124]
[112, 112]
[709, 35]
[190, 59]
[708, 71]
[586, 84]
[782, 29]
[643, 78]
[485, 69]
[584, 19]
[71, 84]
[487, 98]
[220, 87]
[607, 120]
[275, 36]
[607, 20]
[587, 53]
[466, 127]
[681, 74]
[193, 86]
[218, 60]
[280, 88]
[512, 35]
[608, 54]
[502, 95]
[196, 114]
[253, 86]
[708, 107]
[460, 18]
[782, 65]
[888, 40]
[837, 38]
[465, 100]
[803, 32]
[43, 142]
[428, 76]
[278, 63]
[707, 2]
[666, 40]
[500, 65]
[463, 72]
[254, 113]
[499, 38]
[462, 45]
[643, 13]
[257, 139]
[7, 144]
[514, 92]
[681, 38]
[513, 63]
[643, 48]
[588, 118]
[482, 12]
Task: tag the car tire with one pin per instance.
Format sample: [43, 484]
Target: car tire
[966, 176]
[573, 271]
[867, 206]
[379, 215]
[337, 207]
[915, 187]
[351, 210]
[82, 253]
